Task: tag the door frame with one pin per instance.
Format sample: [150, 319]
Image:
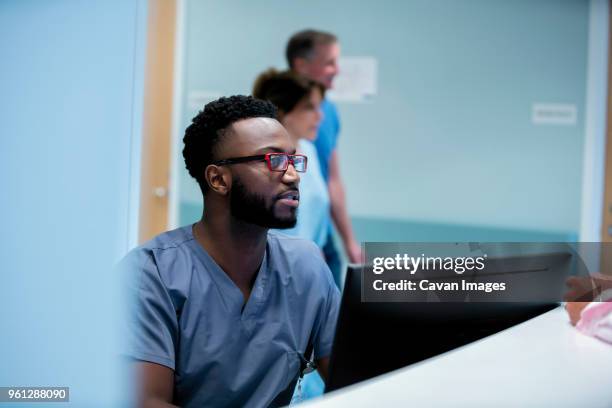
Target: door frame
[596, 114]
[157, 118]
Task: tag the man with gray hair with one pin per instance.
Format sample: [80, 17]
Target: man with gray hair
[314, 54]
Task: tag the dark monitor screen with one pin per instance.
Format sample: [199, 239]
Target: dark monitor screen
[374, 338]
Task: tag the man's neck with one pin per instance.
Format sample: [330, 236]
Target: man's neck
[237, 247]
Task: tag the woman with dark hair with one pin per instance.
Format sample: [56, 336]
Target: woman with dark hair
[298, 100]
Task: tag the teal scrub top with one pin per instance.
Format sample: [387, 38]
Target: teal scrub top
[313, 214]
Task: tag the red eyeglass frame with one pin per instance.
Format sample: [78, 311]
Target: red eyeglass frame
[267, 158]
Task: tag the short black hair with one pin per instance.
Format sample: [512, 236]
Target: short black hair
[284, 89]
[303, 43]
[210, 125]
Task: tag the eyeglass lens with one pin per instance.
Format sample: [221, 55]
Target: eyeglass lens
[280, 162]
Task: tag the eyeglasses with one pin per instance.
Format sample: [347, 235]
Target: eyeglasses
[275, 161]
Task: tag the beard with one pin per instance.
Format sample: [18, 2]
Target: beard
[251, 208]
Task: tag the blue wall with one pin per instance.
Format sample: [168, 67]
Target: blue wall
[71, 81]
[448, 139]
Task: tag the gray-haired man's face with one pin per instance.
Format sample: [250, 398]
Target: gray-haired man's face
[322, 66]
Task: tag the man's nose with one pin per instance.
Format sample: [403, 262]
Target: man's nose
[336, 68]
[291, 175]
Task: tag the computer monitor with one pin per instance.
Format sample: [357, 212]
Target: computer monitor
[374, 338]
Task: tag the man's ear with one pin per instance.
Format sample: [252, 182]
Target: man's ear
[219, 179]
[299, 65]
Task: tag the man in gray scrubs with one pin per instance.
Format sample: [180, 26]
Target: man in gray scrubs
[226, 313]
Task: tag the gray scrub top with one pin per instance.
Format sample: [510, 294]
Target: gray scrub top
[189, 317]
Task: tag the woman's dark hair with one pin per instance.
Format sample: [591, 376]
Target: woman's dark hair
[284, 89]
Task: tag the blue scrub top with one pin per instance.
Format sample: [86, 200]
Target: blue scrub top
[327, 137]
[189, 316]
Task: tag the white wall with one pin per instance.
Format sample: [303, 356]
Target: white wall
[449, 137]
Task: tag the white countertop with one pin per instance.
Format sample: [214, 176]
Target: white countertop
[543, 362]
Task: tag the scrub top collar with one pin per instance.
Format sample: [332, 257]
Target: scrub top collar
[232, 295]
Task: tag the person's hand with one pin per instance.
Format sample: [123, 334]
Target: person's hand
[586, 288]
[580, 288]
[574, 309]
[353, 251]
[581, 291]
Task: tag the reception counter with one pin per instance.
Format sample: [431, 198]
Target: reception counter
[543, 362]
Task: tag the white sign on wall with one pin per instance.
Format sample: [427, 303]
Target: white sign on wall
[357, 80]
[554, 114]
